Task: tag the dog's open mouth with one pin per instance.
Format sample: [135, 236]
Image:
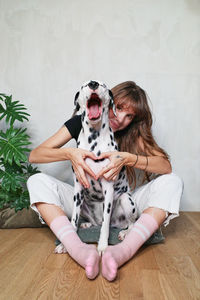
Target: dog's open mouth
[94, 106]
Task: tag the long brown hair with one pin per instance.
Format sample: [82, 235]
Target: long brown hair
[127, 94]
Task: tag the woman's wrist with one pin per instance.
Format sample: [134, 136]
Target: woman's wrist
[68, 152]
[131, 160]
[136, 161]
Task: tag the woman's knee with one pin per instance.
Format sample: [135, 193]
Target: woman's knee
[157, 213]
[34, 181]
[170, 181]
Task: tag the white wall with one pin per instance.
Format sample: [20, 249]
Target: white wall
[48, 48]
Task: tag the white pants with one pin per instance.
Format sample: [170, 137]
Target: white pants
[163, 192]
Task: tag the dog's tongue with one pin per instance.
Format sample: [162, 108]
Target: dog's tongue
[94, 111]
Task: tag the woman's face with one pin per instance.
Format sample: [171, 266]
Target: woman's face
[124, 116]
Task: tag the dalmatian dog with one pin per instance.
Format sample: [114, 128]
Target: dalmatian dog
[105, 203]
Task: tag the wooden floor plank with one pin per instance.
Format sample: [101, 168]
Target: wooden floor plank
[151, 285]
[131, 281]
[171, 285]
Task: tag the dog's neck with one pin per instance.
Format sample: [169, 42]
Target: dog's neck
[102, 125]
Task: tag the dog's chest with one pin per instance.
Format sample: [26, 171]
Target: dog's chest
[97, 141]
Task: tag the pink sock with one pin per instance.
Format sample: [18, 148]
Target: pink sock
[116, 256]
[86, 255]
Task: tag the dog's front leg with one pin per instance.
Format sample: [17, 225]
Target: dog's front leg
[108, 203]
[78, 200]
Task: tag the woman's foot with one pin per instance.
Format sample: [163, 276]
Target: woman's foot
[90, 257]
[84, 254]
[112, 259]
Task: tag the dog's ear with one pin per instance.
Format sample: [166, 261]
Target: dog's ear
[76, 101]
[112, 104]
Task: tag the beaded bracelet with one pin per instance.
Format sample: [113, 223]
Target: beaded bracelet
[136, 161]
[146, 164]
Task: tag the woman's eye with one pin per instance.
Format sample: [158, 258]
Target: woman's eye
[119, 108]
[130, 117]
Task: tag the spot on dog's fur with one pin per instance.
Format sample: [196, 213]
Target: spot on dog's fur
[78, 199]
[93, 146]
[109, 207]
[122, 218]
[96, 191]
[117, 188]
[83, 116]
[96, 198]
[99, 181]
[93, 136]
[99, 153]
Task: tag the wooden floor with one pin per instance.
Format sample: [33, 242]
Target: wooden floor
[29, 269]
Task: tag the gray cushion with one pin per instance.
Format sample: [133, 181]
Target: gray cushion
[91, 235]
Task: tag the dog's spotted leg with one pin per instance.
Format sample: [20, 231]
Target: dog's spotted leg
[108, 192]
[125, 214]
[78, 201]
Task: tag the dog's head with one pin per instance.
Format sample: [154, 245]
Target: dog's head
[92, 98]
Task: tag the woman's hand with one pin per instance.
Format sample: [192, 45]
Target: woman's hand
[77, 157]
[117, 161]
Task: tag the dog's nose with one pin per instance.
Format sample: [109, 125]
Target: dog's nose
[93, 85]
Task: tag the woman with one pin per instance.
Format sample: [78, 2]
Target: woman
[157, 198]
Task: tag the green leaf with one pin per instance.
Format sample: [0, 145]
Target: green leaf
[13, 145]
[29, 170]
[1, 109]
[13, 110]
[11, 178]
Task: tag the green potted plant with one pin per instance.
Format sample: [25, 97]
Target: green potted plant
[14, 150]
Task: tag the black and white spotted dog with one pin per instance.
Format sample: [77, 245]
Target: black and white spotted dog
[106, 203]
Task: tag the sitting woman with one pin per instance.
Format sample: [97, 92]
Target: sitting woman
[157, 198]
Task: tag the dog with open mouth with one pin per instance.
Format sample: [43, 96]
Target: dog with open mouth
[104, 203]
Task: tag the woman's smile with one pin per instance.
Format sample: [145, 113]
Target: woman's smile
[114, 125]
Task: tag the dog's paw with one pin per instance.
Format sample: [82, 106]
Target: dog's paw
[101, 248]
[122, 234]
[85, 225]
[60, 249]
